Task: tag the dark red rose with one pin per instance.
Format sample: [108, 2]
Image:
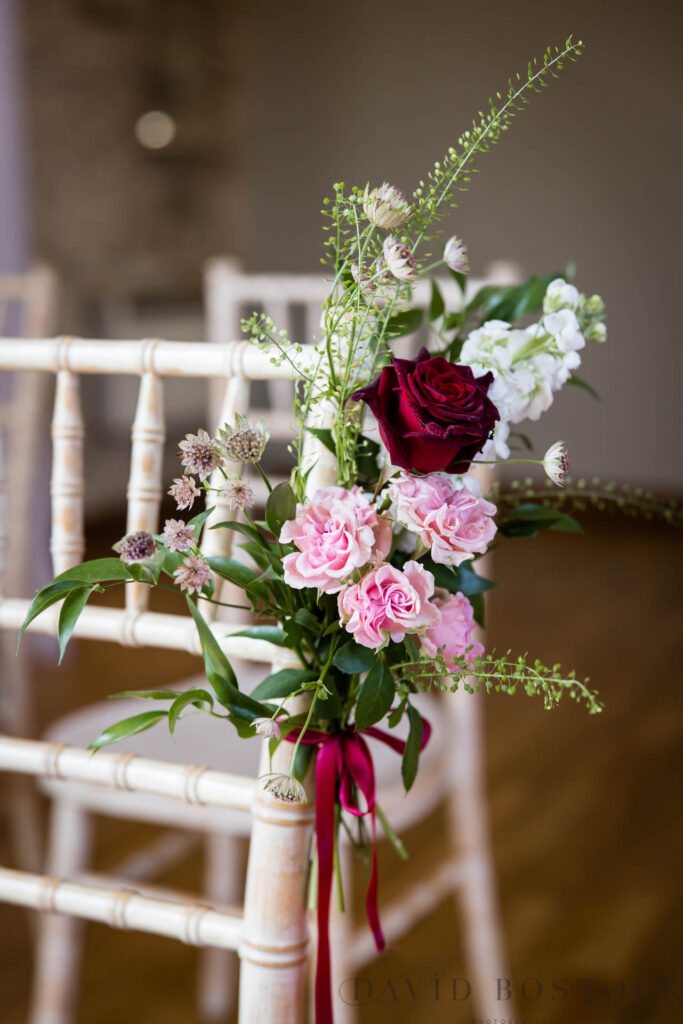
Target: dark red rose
[432, 415]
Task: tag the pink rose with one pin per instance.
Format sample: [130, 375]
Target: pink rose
[454, 524]
[452, 635]
[388, 603]
[336, 532]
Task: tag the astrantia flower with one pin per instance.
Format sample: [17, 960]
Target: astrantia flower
[285, 787]
[243, 442]
[376, 283]
[556, 463]
[177, 535]
[197, 454]
[193, 574]
[399, 259]
[268, 728]
[386, 206]
[456, 256]
[238, 494]
[135, 547]
[184, 490]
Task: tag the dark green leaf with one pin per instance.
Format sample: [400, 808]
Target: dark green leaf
[282, 684]
[411, 755]
[579, 382]
[325, 435]
[477, 602]
[238, 573]
[197, 697]
[436, 304]
[198, 521]
[352, 658]
[273, 634]
[566, 524]
[308, 620]
[460, 578]
[280, 507]
[245, 528]
[376, 695]
[99, 570]
[302, 760]
[218, 669]
[528, 519]
[405, 322]
[460, 280]
[74, 603]
[127, 727]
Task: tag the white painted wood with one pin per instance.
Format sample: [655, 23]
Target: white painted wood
[67, 542]
[146, 468]
[223, 883]
[193, 924]
[193, 784]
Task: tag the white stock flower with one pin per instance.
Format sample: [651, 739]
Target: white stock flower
[399, 259]
[456, 256]
[386, 206]
[564, 329]
[560, 295]
[556, 463]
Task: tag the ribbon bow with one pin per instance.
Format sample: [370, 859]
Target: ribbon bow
[343, 758]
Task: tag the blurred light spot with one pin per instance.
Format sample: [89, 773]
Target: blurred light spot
[155, 129]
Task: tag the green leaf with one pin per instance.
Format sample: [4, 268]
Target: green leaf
[127, 727]
[74, 603]
[198, 521]
[245, 528]
[411, 755]
[44, 599]
[273, 634]
[238, 573]
[325, 435]
[308, 620]
[195, 696]
[282, 683]
[529, 519]
[218, 669]
[461, 578]
[366, 457]
[460, 280]
[405, 322]
[477, 602]
[352, 658]
[436, 303]
[146, 694]
[566, 524]
[579, 382]
[280, 507]
[376, 695]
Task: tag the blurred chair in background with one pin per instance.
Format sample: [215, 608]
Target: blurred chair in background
[28, 309]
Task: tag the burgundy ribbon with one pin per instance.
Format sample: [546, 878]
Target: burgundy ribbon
[345, 759]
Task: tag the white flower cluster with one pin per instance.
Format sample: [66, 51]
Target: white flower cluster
[529, 365]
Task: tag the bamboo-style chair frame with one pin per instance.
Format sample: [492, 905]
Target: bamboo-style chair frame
[273, 938]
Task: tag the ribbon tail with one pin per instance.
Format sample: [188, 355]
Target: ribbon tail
[325, 784]
[371, 905]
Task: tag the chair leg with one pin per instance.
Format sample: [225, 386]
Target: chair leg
[60, 937]
[341, 937]
[483, 933]
[218, 968]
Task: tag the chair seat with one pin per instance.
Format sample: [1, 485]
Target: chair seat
[200, 739]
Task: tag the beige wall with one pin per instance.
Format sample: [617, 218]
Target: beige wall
[589, 172]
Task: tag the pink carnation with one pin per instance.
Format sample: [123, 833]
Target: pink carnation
[337, 532]
[452, 635]
[388, 603]
[454, 524]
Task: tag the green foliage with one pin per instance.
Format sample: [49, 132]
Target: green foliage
[527, 520]
[579, 495]
[376, 695]
[411, 755]
[352, 658]
[127, 727]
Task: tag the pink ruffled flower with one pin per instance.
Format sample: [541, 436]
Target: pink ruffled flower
[452, 635]
[337, 532]
[454, 524]
[388, 603]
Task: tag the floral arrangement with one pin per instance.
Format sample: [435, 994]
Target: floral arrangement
[372, 582]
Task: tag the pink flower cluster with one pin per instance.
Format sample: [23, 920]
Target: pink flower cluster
[336, 533]
[454, 524]
[388, 603]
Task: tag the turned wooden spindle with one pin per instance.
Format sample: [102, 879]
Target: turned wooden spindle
[146, 466]
[67, 542]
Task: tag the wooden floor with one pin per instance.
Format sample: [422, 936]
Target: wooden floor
[585, 811]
